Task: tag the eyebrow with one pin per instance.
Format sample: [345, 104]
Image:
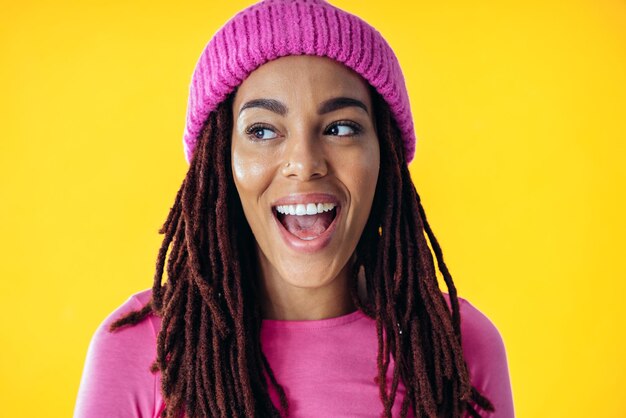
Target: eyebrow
[327, 106]
[336, 103]
[269, 104]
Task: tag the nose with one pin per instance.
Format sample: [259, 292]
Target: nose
[304, 158]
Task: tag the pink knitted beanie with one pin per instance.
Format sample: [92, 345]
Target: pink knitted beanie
[274, 28]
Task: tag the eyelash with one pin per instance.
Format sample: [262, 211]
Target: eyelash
[356, 128]
[256, 127]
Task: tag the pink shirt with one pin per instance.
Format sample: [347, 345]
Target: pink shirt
[327, 367]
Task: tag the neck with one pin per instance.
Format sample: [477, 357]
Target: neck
[284, 301]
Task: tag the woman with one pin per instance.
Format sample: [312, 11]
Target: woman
[299, 279]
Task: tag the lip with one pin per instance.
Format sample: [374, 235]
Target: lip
[307, 246]
[294, 199]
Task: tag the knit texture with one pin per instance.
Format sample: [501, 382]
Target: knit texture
[275, 28]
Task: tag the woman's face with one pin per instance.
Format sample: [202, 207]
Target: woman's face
[305, 160]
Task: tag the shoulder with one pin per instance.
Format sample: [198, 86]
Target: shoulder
[116, 378]
[137, 340]
[479, 333]
[485, 354]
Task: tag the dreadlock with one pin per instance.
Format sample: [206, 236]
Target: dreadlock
[208, 349]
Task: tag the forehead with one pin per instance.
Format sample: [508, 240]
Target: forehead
[303, 78]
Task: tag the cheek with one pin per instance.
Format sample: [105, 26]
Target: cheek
[249, 170]
[365, 173]
[369, 180]
[253, 173]
[359, 174]
[246, 171]
[373, 166]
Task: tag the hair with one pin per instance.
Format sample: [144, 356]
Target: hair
[208, 349]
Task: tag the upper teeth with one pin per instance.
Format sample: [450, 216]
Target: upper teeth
[302, 209]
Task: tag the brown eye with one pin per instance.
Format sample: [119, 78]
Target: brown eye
[343, 129]
[260, 133]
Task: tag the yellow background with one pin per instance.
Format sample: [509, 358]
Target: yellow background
[519, 110]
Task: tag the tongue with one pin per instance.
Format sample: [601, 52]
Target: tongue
[308, 227]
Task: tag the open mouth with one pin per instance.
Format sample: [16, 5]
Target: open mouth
[306, 221]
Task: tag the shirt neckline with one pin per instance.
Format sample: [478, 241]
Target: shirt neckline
[315, 323]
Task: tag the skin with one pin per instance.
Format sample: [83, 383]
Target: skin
[295, 149]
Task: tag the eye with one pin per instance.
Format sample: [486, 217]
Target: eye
[259, 132]
[343, 128]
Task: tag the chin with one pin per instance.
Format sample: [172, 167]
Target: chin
[305, 271]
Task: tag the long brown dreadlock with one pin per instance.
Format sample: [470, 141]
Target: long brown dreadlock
[208, 349]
